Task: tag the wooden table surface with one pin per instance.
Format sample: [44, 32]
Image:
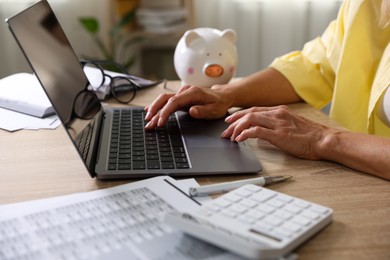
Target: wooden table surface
[43, 164]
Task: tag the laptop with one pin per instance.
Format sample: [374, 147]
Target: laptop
[109, 148]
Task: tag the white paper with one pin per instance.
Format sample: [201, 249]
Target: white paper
[12, 121]
[22, 92]
[87, 226]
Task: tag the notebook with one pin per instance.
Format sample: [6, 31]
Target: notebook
[99, 140]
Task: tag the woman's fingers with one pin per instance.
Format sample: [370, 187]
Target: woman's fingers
[160, 102]
[279, 126]
[254, 132]
[156, 105]
[264, 117]
[237, 115]
[201, 103]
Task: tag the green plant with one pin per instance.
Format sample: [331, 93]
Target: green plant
[118, 37]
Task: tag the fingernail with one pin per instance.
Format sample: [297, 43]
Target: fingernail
[194, 112]
[159, 122]
[147, 125]
[238, 138]
[147, 115]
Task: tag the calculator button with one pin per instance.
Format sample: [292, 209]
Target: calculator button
[238, 208]
[248, 203]
[293, 209]
[256, 214]
[266, 209]
[310, 214]
[252, 188]
[284, 214]
[302, 204]
[291, 227]
[273, 221]
[243, 193]
[233, 197]
[229, 213]
[301, 220]
[284, 198]
[319, 209]
[247, 219]
[275, 203]
[262, 196]
[222, 203]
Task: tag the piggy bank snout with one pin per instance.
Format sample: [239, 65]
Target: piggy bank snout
[214, 70]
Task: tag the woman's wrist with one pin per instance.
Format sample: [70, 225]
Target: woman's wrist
[329, 146]
[227, 93]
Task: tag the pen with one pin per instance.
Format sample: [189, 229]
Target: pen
[227, 186]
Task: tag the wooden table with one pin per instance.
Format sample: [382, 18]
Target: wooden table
[42, 164]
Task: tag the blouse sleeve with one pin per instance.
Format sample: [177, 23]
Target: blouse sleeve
[311, 71]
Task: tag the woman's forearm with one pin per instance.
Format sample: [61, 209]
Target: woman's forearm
[264, 88]
[363, 152]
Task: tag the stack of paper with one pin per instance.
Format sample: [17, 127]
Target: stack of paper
[163, 21]
[23, 93]
[24, 104]
[13, 121]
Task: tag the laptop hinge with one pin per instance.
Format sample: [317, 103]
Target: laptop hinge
[93, 148]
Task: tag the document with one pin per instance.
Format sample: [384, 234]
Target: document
[124, 222]
[13, 121]
[23, 93]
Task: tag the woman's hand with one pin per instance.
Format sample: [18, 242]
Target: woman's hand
[279, 126]
[200, 102]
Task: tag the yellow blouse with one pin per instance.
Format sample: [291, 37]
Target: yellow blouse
[348, 65]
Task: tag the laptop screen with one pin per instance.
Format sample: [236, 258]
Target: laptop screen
[51, 57]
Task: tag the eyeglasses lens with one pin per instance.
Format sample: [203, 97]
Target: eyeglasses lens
[123, 89]
[86, 105]
[94, 74]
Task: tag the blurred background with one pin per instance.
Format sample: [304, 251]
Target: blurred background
[143, 33]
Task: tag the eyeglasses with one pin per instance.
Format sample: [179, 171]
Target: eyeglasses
[86, 104]
[121, 87]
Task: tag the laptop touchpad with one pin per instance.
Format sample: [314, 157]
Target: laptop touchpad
[203, 133]
[206, 141]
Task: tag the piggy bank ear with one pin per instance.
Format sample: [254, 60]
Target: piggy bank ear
[229, 34]
[190, 36]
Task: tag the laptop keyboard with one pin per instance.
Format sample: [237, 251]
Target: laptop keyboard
[134, 148]
[83, 140]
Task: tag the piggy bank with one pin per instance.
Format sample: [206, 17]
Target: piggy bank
[206, 56]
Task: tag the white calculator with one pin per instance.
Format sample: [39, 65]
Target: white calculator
[254, 222]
